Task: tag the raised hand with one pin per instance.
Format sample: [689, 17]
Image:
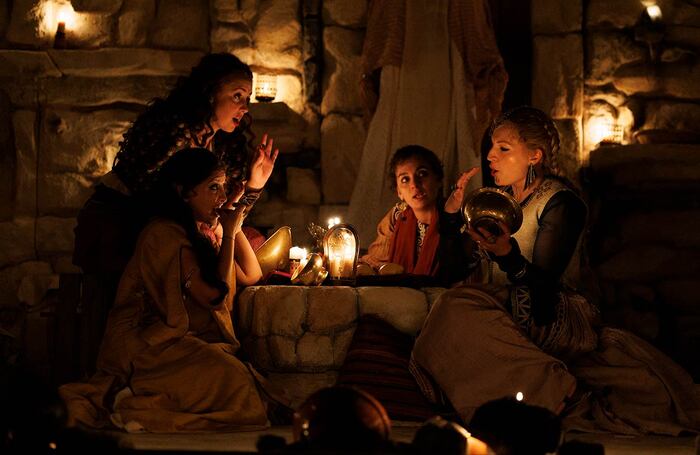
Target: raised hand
[263, 163]
[454, 202]
[496, 244]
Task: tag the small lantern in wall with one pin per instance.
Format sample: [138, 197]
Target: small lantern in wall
[265, 87]
[341, 247]
[605, 131]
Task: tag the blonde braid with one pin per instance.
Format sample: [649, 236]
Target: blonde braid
[551, 163]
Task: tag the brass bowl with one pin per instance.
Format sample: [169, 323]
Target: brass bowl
[312, 274]
[274, 253]
[486, 207]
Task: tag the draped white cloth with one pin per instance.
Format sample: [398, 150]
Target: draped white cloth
[421, 102]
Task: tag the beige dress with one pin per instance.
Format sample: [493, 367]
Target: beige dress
[166, 364]
[476, 350]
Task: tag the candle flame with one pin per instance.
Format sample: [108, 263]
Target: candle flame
[654, 12]
[519, 396]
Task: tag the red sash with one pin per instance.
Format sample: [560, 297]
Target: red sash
[403, 245]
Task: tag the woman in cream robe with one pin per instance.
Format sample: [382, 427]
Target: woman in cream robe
[527, 332]
[167, 362]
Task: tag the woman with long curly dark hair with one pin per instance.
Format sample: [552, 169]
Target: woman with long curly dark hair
[207, 109]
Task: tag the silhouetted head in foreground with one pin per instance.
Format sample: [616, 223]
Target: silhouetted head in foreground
[342, 418]
[512, 427]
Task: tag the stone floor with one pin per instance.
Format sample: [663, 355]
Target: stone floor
[245, 442]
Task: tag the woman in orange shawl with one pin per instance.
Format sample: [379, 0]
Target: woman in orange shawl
[420, 234]
[167, 361]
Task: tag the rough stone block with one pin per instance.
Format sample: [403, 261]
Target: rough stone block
[11, 277]
[668, 115]
[555, 16]
[276, 213]
[331, 308]
[558, 62]
[650, 262]
[54, 235]
[279, 310]
[280, 122]
[134, 21]
[229, 37]
[342, 70]
[303, 186]
[347, 14]
[25, 22]
[315, 351]
[259, 353]
[96, 6]
[4, 18]
[8, 160]
[26, 155]
[299, 386]
[341, 343]
[92, 92]
[680, 229]
[33, 287]
[63, 194]
[342, 140]
[245, 306]
[570, 157]
[606, 51]
[26, 64]
[228, 11]
[64, 264]
[82, 142]
[283, 352]
[17, 239]
[403, 308]
[325, 212]
[175, 16]
[678, 79]
[686, 37]
[277, 35]
[21, 95]
[617, 14]
[117, 62]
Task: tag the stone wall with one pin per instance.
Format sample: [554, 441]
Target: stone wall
[63, 112]
[611, 62]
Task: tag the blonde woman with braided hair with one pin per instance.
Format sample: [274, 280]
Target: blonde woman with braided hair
[527, 330]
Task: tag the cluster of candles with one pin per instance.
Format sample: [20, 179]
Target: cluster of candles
[340, 250]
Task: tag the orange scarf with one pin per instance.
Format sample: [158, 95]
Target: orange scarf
[403, 245]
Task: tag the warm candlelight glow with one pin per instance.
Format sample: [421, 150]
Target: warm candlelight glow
[332, 221]
[604, 129]
[654, 12]
[298, 253]
[519, 396]
[341, 248]
[265, 87]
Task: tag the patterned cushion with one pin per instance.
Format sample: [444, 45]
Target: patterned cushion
[377, 362]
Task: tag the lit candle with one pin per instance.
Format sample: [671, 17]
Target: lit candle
[296, 257]
[332, 221]
[519, 396]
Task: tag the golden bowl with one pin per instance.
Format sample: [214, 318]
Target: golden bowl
[274, 253]
[312, 274]
[486, 207]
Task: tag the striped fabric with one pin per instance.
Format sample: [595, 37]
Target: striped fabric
[377, 362]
